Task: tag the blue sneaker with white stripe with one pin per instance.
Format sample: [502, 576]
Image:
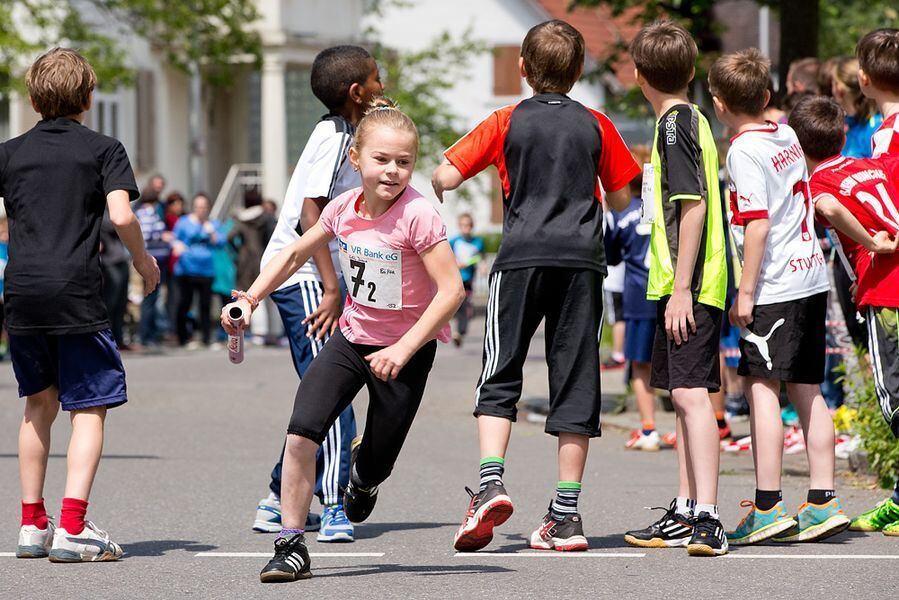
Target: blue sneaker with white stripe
[335, 525]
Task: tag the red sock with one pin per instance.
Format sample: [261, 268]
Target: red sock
[34, 513]
[72, 516]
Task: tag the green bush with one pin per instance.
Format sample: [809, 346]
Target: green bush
[877, 440]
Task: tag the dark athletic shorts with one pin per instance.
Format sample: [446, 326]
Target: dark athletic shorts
[786, 341]
[693, 364]
[570, 300]
[85, 367]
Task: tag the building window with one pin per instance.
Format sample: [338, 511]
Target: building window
[106, 116]
[303, 110]
[506, 77]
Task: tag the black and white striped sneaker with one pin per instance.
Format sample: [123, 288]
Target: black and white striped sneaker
[671, 531]
[290, 562]
[708, 538]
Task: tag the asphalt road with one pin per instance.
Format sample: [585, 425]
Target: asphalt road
[188, 457]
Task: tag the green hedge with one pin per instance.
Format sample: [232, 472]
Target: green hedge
[877, 440]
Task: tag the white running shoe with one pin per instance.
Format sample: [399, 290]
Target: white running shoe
[268, 515]
[640, 441]
[34, 542]
[91, 545]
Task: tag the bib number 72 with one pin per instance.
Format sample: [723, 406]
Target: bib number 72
[358, 280]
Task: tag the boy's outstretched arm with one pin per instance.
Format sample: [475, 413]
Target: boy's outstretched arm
[842, 218]
[128, 228]
[323, 320]
[679, 312]
[446, 178]
[278, 269]
[620, 199]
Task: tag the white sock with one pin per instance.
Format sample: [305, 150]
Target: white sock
[684, 506]
[274, 497]
[711, 509]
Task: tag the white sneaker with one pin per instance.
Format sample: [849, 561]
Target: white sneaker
[641, 441]
[91, 545]
[268, 515]
[34, 542]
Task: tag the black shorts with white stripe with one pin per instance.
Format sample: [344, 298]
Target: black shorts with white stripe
[883, 344]
[571, 302]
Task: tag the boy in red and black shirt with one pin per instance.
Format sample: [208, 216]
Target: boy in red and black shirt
[555, 157]
[860, 198]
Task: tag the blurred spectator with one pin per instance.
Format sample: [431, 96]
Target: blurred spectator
[116, 270]
[825, 76]
[195, 238]
[156, 184]
[803, 76]
[253, 229]
[174, 209]
[159, 245]
[773, 112]
[469, 252]
[862, 118]
[271, 207]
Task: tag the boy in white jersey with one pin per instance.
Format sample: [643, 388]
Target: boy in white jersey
[344, 79]
[781, 303]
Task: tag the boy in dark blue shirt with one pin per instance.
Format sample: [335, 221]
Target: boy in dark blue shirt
[627, 241]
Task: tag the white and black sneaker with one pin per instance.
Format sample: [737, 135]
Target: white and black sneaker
[671, 531]
[358, 502]
[91, 545]
[290, 562]
[708, 538]
[34, 542]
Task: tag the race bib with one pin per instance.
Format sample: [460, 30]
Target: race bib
[373, 276]
[648, 194]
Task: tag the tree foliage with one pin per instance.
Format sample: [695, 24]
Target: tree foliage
[421, 81]
[214, 33]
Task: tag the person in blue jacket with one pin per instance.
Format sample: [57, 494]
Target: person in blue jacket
[195, 239]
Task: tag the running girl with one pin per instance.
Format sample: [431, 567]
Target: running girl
[403, 288]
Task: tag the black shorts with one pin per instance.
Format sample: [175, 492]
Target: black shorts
[786, 341]
[571, 302]
[693, 364]
[883, 343]
[331, 383]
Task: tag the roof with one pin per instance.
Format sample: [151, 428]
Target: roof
[600, 30]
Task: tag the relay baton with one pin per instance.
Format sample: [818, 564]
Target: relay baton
[235, 341]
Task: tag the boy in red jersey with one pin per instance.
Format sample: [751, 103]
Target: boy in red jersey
[860, 199]
[878, 77]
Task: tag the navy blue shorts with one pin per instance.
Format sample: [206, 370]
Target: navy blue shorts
[85, 367]
[639, 335]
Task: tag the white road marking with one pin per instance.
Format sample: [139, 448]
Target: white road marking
[550, 554]
[311, 554]
[818, 556]
[7, 554]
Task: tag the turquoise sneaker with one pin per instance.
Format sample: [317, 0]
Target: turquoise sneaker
[816, 522]
[335, 525]
[760, 525]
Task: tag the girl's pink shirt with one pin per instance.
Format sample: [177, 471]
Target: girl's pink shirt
[388, 287]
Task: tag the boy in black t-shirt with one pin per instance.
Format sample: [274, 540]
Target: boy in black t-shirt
[56, 181]
[552, 154]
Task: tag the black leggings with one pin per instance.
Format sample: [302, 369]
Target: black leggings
[187, 285]
[332, 382]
